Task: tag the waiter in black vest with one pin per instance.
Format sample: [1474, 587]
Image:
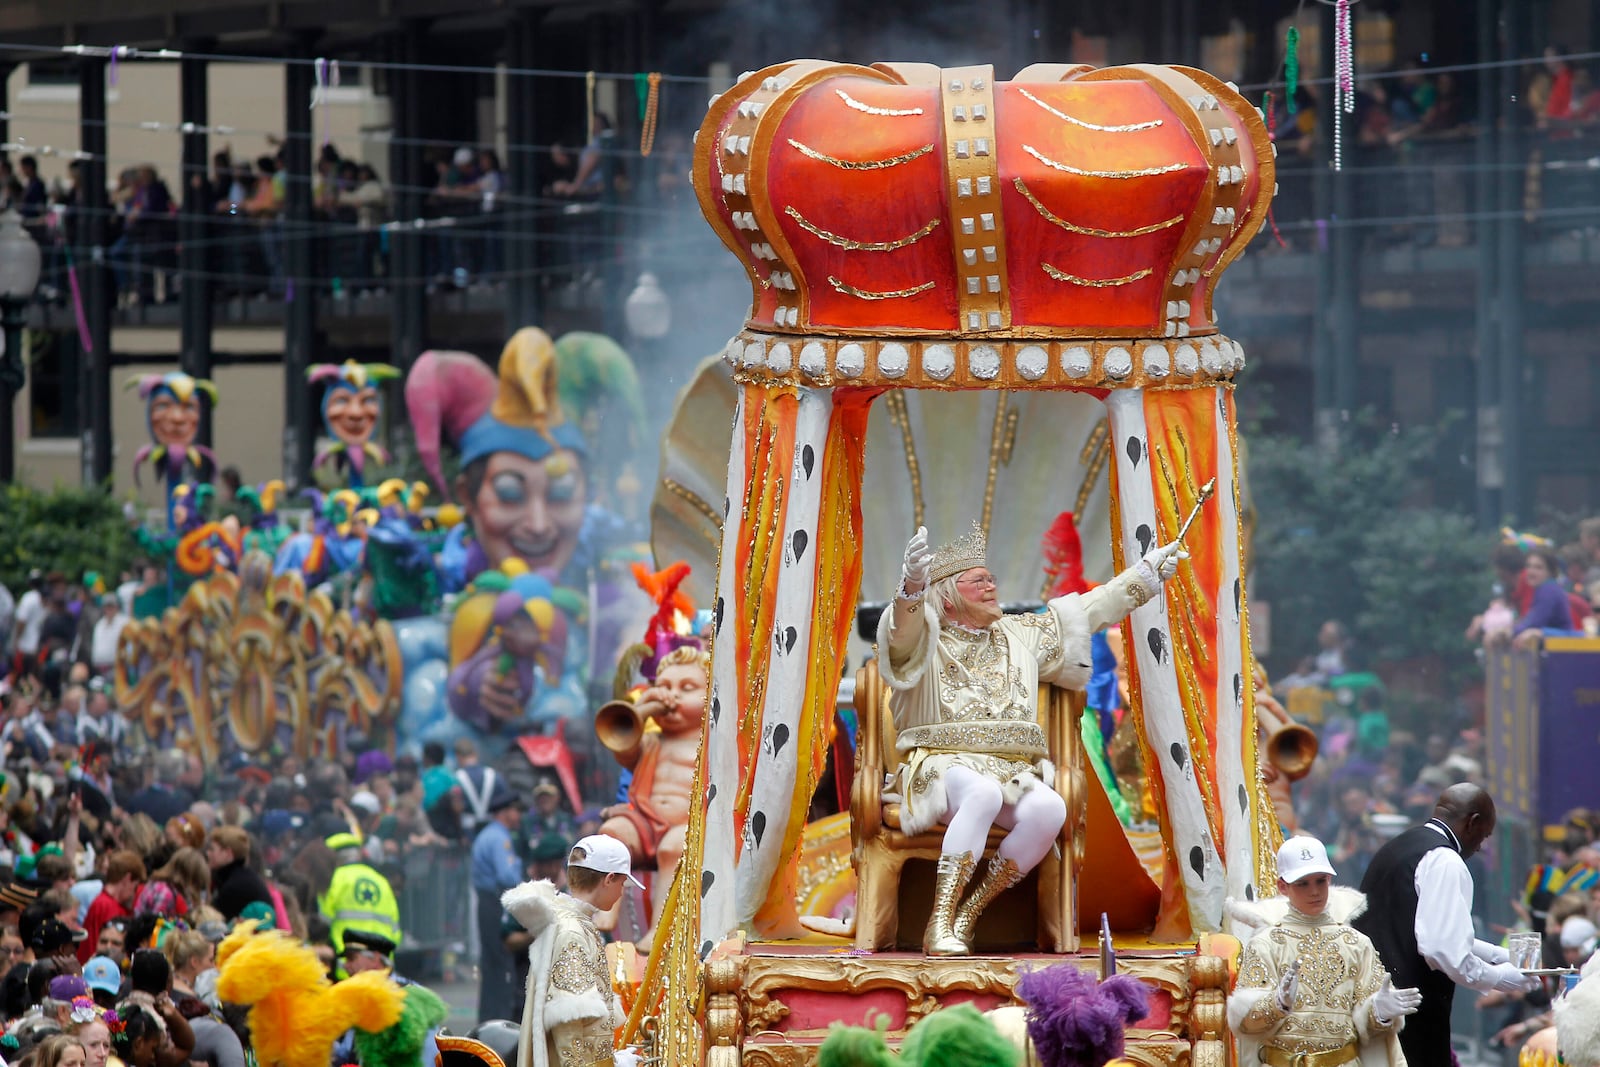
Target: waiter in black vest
[1419, 916]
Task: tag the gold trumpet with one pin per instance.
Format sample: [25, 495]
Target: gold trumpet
[619, 724]
[1292, 749]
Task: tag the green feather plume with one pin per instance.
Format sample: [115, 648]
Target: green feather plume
[401, 1044]
[957, 1035]
[854, 1046]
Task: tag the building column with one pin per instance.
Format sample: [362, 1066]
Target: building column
[1490, 475]
[524, 303]
[1345, 239]
[408, 302]
[1510, 283]
[194, 232]
[299, 235]
[94, 276]
[5, 101]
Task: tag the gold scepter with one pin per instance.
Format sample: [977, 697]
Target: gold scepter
[1207, 491]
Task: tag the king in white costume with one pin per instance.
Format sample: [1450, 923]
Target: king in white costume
[1312, 991]
[964, 684]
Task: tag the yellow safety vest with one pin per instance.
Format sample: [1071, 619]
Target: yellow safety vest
[359, 898]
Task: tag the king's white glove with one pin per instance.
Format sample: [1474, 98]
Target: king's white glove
[625, 1057]
[1289, 986]
[1164, 560]
[1389, 1003]
[1508, 979]
[918, 563]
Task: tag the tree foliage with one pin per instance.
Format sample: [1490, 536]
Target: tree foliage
[70, 530]
[1337, 539]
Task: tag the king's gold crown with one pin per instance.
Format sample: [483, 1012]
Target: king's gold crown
[964, 553]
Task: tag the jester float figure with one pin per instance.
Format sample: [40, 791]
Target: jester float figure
[172, 414]
[534, 497]
[351, 407]
[965, 680]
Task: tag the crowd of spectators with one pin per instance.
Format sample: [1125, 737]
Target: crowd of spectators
[463, 216]
[1378, 772]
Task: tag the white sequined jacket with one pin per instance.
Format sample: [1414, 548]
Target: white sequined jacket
[571, 1010]
[1339, 974]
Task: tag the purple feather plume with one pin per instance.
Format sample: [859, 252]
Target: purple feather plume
[1075, 1021]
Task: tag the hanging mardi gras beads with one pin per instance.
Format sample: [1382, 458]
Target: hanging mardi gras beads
[1344, 78]
[1291, 70]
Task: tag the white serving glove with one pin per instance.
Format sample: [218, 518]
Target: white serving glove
[1508, 979]
[1389, 1003]
[1289, 987]
[917, 566]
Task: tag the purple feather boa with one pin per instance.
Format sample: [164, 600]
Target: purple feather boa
[1075, 1021]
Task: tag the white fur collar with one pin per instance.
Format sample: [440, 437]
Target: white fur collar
[1344, 905]
[533, 904]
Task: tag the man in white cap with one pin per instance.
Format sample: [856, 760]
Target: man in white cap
[1311, 990]
[571, 1009]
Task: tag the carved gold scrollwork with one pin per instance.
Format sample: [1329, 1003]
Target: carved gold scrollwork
[757, 986]
[241, 661]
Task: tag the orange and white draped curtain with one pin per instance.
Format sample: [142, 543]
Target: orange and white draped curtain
[784, 610]
[1188, 647]
[786, 592]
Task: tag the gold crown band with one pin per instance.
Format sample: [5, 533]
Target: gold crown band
[964, 553]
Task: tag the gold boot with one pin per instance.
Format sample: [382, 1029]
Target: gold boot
[955, 871]
[1001, 875]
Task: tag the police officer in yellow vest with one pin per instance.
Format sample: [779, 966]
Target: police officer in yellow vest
[358, 898]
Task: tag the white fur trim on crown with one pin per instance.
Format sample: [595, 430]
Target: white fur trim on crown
[533, 904]
[1344, 905]
[571, 1007]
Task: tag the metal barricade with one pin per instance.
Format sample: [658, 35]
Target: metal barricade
[434, 886]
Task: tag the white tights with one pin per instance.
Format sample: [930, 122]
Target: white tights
[976, 803]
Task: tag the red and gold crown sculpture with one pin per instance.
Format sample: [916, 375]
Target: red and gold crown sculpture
[908, 225]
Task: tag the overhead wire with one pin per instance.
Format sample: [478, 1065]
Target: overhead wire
[127, 53]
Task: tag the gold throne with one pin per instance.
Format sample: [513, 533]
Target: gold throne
[880, 849]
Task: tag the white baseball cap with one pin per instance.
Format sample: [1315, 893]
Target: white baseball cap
[1300, 856]
[606, 855]
[366, 801]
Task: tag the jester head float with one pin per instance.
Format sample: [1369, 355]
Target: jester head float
[172, 414]
[351, 407]
[522, 481]
[525, 475]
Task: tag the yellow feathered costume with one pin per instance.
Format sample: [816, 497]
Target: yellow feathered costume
[296, 1013]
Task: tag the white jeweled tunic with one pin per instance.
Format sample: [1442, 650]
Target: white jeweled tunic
[1339, 973]
[969, 698]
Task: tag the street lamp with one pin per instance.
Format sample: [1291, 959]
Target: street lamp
[19, 275]
[647, 310]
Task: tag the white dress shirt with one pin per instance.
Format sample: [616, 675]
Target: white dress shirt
[1445, 935]
[103, 644]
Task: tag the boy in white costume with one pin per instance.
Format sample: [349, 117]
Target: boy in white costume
[571, 1010]
[1311, 990]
